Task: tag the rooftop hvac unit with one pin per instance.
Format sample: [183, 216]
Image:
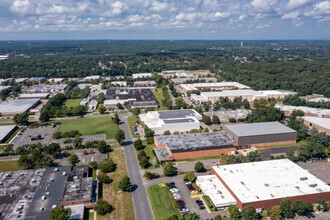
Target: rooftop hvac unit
[75, 177]
[312, 185]
[43, 198]
[297, 187]
[64, 173]
[56, 169]
[266, 184]
[41, 208]
[47, 193]
[242, 183]
[303, 178]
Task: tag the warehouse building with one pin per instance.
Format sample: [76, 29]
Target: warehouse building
[53, 89]
[321, 124]
[212, 86]
[173, 73]
[174, 120]
[313, 112]
[6, 131]
[261, 134]
[33, 96]
[194, 80]
[264, 184]
[37, 79]
[17, 106]
[119, 83]
[184, 146]
[145, 83]
[142, 75]
[139, 97]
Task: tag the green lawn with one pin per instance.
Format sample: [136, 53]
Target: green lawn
[159, 96]
[284, 145]
[162, 203]
[72, 102]
[131, 122]
[200, 158]
[90, 126]
[149, 149]
[9, 166]
[122, 202]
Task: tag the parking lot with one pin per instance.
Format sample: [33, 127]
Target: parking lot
[318, 216]
[85, 139]
[45, 132]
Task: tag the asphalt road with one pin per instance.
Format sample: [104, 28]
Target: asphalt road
[141, 202]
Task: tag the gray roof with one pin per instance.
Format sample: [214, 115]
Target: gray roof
[196, 141]
[17, 105]
[181, 120]
[262, 128]
[4, 130]
[177, 113]
[163, 154]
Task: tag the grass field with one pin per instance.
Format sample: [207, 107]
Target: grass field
[160, 199]
[72, 103]
[131, 122]
[9, 166]
[159, 96]
[149, 149]
[122, 203]
[90, 126]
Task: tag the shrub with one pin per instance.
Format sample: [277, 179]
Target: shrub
[199, 167]
[169, 169]
[125, 184]
[151, 176]
[138, 144]
[107, 165]
[102, 207]
[190, 176]
[103, 178]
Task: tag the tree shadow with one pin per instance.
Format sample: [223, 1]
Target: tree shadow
[126, 143]
[134, 187]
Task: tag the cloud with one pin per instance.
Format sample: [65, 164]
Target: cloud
[292, 15]
[221, 14]
[262, 5]
[21, 7]
[242, 17]
[322, 8]
[159, 6]
[292, 4]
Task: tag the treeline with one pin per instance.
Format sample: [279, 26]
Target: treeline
[296, 101]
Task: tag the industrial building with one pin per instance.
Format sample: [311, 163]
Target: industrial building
[95, 77]
[139, 97]
[173, 73]
[4, 87]
[174, 120]
[194, 80]
[53, 89]
[6, 131]
[313, 112]
[84, 85]
[264, 184]
[33, 96]
[31, 194]
[321, 124]
[184, 146]
[17, 106]
[119, 83]
[261, 134]
[145, 83]
[37, 79]
[141, 75]
[212, 86]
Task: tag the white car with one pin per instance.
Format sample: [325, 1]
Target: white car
[174, 190]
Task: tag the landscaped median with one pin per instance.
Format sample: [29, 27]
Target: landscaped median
[131, 122]
[162, 201]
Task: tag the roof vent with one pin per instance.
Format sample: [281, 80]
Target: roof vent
[231, 171]
[297, 187]
[242, 183]
[312, 185]
[303, 178]
[272, 195]
[257, 197]
[266, 184]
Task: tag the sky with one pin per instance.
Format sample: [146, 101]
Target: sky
[164, 19]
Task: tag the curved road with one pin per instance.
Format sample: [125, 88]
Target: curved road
[141, 202]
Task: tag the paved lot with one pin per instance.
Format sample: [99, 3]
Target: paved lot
[265, 153]
[186, 166]
[46, 133]
[319, 169]
[84, 159]
[190, 203]
[318, 216]
[89, 138]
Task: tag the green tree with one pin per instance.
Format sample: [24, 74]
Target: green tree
[116, 119]
[249, 212]
[44, 116]
[60, 213]
[299, 207]
[22, 119]
[103, 178]
[93, 165]
[136, 111]
[103, 147]
[148, 132]
[173, 217]
[167, 132]
[275, 213]
[232, 120]
[103, 207]
[206, 119]
[120, 136]
[218, 217]
[119, 106]
[322, 205]
[199, 167]
[151, 176]
[144, 162]
[286, 208]
[53, 149]
[297, 112]
[125, 184]
[206, 130]
[215, 120]
[100, 97]
[234, 212]
[290, 155]
[101, 109]
[254, 156]
[190, 176]
[265, 114]
[107, 165]
[73, 159]
[138, 145]
[191, 216]
[169, 169]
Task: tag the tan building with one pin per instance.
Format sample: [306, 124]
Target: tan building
[321, 124]
[213, 86]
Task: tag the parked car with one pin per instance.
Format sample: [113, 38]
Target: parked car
[201, 207]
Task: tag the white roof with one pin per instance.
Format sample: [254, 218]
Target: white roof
[92, 77]
[194, 86]
[267, 180]
[212, 187]
[305, 109]
[4, 87]
[232, 93]
[4, 130]
[321, 99]
[323, 122]
[17, 105]
[77, 211]
[140, 75]
[120, 83]
[33, 95]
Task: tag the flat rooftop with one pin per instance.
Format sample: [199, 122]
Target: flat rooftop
[323, 122]
[5, 130]
[133, 93]
[262, 128]
[267, 180]
[34, 95]
[305, 109]
[17, 105]
[195, 141]
[212, 187]
[231, 93]
[163, 154]
[183, 113]
[195, 86]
